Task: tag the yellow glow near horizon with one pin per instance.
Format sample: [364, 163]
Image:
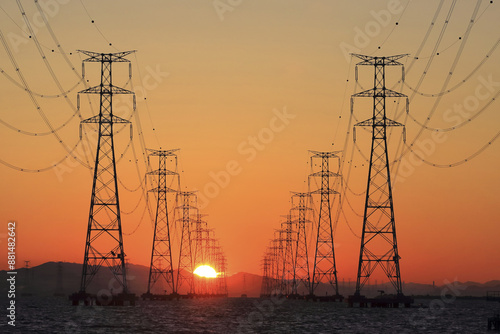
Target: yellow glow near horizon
[205, 271]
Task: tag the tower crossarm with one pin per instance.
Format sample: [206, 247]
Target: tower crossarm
[382, 122]
[325, 173]
[372, 60]
[163, 189]
[114, 57]
[98, 119]
[106, 89]
[162, 172]
[379, 92]
[317, 154]
[167, 153]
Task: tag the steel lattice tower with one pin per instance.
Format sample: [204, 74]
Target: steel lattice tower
[200, 240]
[276, 259]
[265, 290]
[185, 268]
[104, 243]
[161, 267]
[211, 247]
[301, 263]
[288, 258]
[220, 267]
[201, 247]
[378, 241]
[324, 258]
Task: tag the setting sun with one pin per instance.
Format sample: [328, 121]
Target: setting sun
[205, 271]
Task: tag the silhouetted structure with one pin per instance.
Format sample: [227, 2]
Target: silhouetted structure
[266, 287]
[276, 250]
[161, 269]
[301, 262]
[185, 269]
[104, 243]
[324, 257]
[202, 248]
[379, 246]
[288, 256]
[221, 269]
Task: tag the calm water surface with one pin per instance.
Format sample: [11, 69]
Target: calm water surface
[251, 315]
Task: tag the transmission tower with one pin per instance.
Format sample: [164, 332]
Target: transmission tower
[161, 267]
[301, 263]
[185, 268]
[324, 257]
[220, 268]
[288, 258]
[200, 240]
[266, 287]
[275, 263]
[379, 246]
[201, 243]
[211, 247]
[104, 243]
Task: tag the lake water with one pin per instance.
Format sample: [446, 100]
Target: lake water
[250, 315]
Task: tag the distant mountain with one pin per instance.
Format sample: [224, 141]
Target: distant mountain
[244, 283]
[64, 278]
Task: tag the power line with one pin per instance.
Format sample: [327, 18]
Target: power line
[43, 169]
[39, 134]
[96, 26]
[47, 96]
[461, 82]
[460, 162]
[34, 101]
[393, 28]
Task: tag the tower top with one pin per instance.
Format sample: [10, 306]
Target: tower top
[372, 60]
[106, 57]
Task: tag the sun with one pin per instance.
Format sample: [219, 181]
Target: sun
[205, 271]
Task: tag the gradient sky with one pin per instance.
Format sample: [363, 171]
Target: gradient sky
[219, 74]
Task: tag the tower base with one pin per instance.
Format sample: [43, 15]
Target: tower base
[384, 301]
[333, 298]
[87, 299]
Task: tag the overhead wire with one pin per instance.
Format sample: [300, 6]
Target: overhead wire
[147, 104]
[42, 95]
[37, 106]
[51, 72]
[451, 71]
[96, 26]
[393, 28]
[39, 134]
[41, 169]
[129, 80]
[22, 30]
[454, 64]
[464, 80]
[459, 162]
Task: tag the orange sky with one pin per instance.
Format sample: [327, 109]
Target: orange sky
[214, 78]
